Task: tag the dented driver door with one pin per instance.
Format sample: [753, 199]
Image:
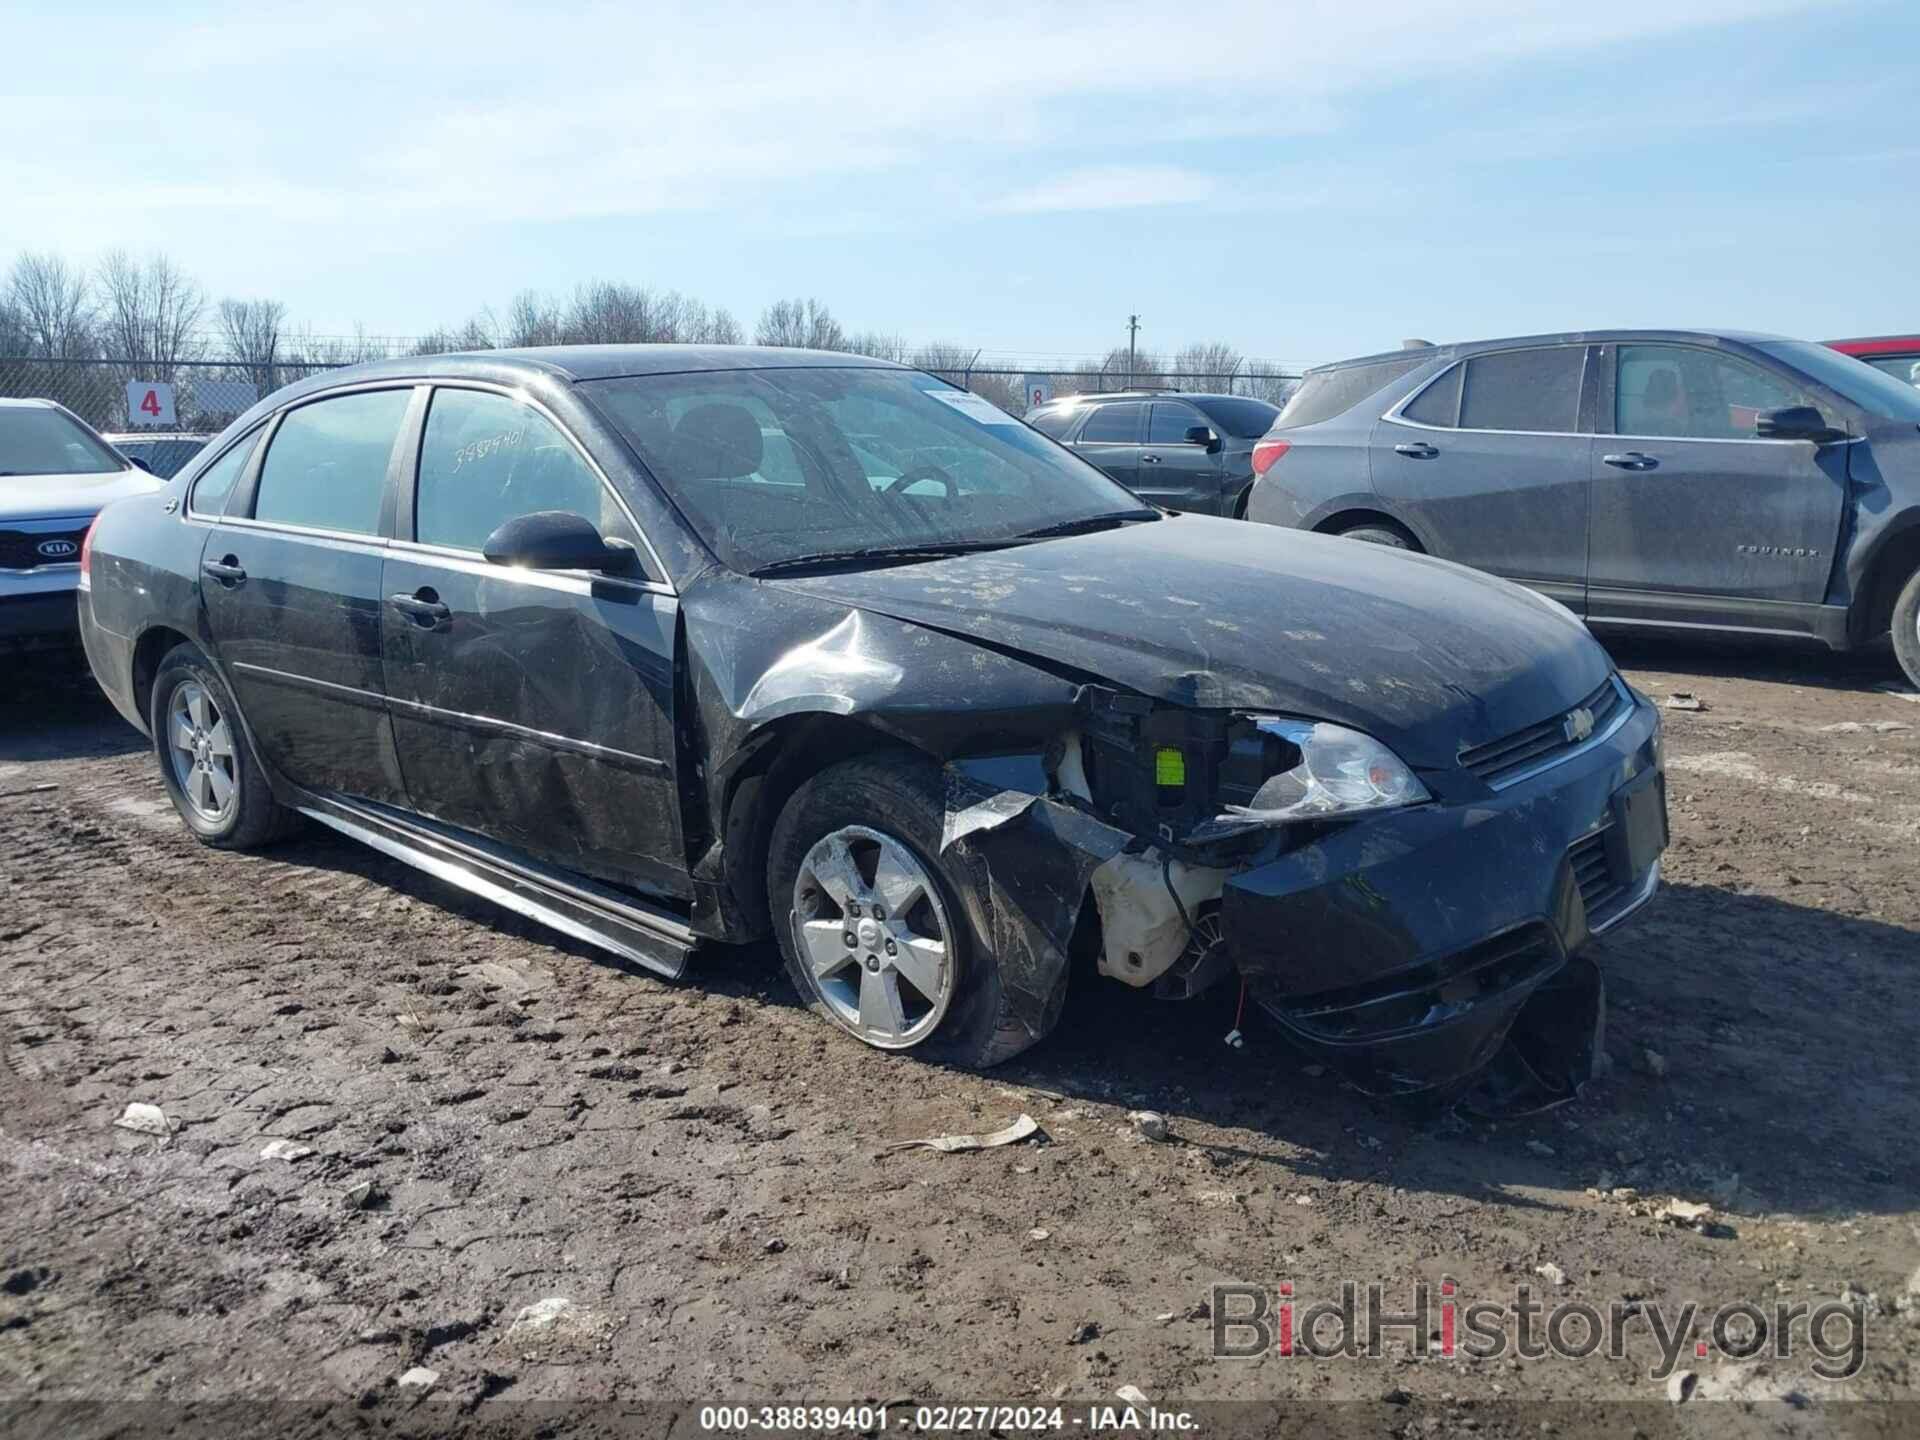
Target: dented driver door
[532, 707]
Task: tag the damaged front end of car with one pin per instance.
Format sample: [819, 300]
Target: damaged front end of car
[1420, 932]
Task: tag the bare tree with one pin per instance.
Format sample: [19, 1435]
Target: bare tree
[1208, 366]
[250, 337]
[49, 302]
[150, 312]
[804, 323]
[881, 346]
[1267, 381]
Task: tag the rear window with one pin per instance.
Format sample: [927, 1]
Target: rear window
[1327, 393]
[1532, 390]
[1242, 419]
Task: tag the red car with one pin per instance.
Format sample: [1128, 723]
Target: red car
[1898, 355]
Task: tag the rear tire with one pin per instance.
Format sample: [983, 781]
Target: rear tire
[1380, 535]
[1906, 629]
[206, 763]
[863, 837]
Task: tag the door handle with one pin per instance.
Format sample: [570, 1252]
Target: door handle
[1149, 459]
[1416, 450]
[1630, 460]
[423, 607]
[226, 570]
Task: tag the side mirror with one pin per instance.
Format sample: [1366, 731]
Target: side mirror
[1203, 435]
[1795, 422]
[140, 464]
[556, 540]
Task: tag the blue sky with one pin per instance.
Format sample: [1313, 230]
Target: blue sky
[1302, 181]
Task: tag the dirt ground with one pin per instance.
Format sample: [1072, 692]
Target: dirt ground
[695, 1168]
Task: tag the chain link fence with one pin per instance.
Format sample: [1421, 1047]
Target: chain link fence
[202, 396]
[115, 395]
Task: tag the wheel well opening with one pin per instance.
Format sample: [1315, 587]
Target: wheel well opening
[1892, 568]
[148, 652]
[791, 752]
[1350, 519]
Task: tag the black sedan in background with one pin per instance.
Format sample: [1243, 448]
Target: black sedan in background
[1647, 479]
[662, 645]
[1183, 451]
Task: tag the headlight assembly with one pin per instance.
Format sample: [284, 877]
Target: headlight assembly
[1340, 772]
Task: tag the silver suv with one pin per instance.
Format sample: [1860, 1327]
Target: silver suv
[55, 475]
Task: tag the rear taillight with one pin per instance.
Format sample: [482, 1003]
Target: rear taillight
[1267, 453]
[86, 558]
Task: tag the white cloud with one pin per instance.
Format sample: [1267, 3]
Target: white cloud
[464, 113]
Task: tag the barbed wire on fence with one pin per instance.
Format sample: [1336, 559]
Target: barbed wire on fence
[207, 395]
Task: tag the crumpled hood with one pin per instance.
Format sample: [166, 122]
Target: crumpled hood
[1428, 656]
[48, 497]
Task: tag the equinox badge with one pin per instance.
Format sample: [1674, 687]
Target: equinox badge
[1578, 725]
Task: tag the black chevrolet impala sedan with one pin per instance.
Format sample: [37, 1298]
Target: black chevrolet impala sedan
[663, 645]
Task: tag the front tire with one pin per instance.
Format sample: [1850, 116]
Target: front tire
[1906, 629]
[205, 762]
[855, 856]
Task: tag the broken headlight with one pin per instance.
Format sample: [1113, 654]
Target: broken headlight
[1337, 772]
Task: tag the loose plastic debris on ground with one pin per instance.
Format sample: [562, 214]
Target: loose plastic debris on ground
[1021, 1129]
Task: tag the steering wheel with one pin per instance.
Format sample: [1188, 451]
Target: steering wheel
[914, 477]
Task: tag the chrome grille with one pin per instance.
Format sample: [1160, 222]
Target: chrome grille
[1503, 761]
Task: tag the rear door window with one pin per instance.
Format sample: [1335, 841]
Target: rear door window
[1684, 393]
[1528, 390]
[1114, 424]
[486, 459]
[326, 468]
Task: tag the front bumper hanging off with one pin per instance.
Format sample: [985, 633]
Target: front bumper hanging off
[1440, 948]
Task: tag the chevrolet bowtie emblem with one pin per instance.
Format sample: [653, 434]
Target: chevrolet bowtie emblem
[1577, 725]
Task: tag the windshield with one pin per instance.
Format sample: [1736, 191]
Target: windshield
[1904, 368]
[1872, 390]
[773, 466]
[36, 440]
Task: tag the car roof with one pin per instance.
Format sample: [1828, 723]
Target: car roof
[565, 363]
[116, 436]
[1451, 349]
[37, 404]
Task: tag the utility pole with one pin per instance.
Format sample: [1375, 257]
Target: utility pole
[1133, 329]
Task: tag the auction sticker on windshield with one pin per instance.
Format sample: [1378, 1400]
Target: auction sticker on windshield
[971, 405]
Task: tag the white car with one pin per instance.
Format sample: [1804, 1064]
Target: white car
[55, 475]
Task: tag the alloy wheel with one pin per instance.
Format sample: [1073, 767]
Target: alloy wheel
[200, 745]
[874, 937]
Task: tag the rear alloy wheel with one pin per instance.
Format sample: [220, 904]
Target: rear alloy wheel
[875, 937]
[200, 744]
[206, 763]
[1906, 629]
